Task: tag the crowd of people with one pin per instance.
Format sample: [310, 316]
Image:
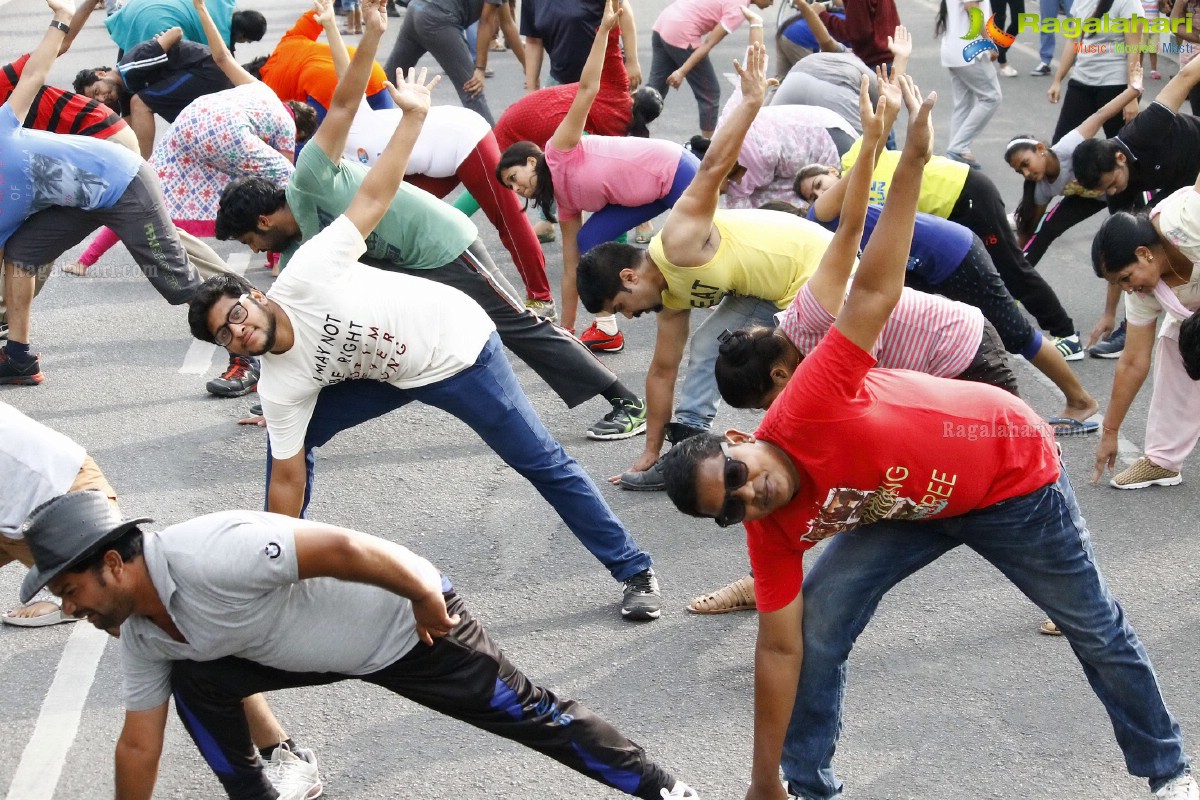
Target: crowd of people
[848, 287]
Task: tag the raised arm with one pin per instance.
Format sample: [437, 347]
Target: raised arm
[633, 67]
[332, 133]
[324, 13]
[1092, 125]
[828, 283]
[1178, 88]
[220, 51]
[880, 277]
[825, 41]
[41, 59]
[570, 130]
[82, 14]
[754, 24]
[170, 37]
[323, 551]
[378, 189]
[687, 227]
[900, 46]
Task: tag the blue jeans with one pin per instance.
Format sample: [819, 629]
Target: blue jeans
[1040, 543]
[487, 397]
[698, 399]
[1051, 9]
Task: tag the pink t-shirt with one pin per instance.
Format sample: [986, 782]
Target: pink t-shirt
[611, 170]
[684, 23]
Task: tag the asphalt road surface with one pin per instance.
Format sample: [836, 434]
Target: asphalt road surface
[952, 692]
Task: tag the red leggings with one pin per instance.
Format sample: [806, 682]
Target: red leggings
[477, 173]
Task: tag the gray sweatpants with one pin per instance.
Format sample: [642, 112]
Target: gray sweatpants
[976, 100]
[561, 360]
[428, 29]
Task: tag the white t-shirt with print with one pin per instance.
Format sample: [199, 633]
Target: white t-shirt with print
[1102, 66]
[354, 321]
[958, 22]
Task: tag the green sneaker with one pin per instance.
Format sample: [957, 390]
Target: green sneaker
[628, 418]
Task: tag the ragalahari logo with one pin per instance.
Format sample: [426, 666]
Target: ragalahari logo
[984, 38]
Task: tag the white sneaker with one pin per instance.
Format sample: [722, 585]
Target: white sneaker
[1008, 71]
[680, 789]
[1180, 788]
[292, 776]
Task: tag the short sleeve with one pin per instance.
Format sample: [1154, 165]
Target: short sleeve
[828, 381]
[778, 567]
[1141, 309]
[287, 422]
[528, 23]
[145, 679]
[731, 17]
[1144, 133]
[314, 170]
[258, 555]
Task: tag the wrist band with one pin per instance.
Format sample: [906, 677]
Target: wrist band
[756, 24]
[62, 26]
[479, 67]
[1108, 429]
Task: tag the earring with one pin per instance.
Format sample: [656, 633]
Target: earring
[1149, 258]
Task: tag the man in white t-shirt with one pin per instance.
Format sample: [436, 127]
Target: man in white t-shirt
[341, 340]
[237, 602]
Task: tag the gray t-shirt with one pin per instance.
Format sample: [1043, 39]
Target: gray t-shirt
[829, 80]
[230, 584]
[1065, 183]
[36, 464]
[1098, 63]
[464, 12]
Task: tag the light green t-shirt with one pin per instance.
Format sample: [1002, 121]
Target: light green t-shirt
[418, 231]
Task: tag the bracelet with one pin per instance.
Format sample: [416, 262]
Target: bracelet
[62, 26]
[481, 68]
[756, 24]
[1108, 429]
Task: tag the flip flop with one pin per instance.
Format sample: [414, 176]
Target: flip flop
[643, 238]
[1065, 426]
[42, 620]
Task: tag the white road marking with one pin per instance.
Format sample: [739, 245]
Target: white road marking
[200, 354]
[42, 762]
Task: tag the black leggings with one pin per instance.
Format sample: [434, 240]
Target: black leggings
[1068, 213]
[463, 675]
[1001, 9]
[1080, 101]
[980, 208]
[977, 283]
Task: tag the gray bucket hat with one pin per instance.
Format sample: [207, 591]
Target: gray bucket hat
[63, 531]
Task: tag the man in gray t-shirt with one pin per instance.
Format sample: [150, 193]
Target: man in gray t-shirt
[238, 602]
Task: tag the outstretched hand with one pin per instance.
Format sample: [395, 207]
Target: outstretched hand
[919, 140]
[1135, 77]
[612, 13]
[374, 14]
[900, 42]
[323, 11]
[889, 87]
[873, 122]
[754, 73]
[413, 92]
[199, 4]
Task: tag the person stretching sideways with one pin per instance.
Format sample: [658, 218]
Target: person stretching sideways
[342, 342]
[915, 485]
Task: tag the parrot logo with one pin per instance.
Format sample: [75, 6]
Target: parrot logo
[984, 38]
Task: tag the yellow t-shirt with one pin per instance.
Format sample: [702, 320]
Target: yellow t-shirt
[763, 254]
[941, 184]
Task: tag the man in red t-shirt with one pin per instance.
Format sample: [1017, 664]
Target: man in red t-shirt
[905, 467]
[59, 111]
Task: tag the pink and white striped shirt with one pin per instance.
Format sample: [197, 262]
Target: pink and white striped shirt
[926, 332]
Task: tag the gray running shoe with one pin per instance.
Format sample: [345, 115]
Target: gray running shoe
[641, 600]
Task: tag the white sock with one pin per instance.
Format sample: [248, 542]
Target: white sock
[607, 324]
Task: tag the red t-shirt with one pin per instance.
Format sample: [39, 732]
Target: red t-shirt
[872, 444]
[59, 111]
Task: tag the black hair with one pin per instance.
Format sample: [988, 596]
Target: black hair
[784, 206]
[212, 290]
[128, 546]
[86, 77]
[1102, 8]
[647, 105]
[306, 120]
[243, 201]
[1091, 159]
[698, 144]
[1023, 213]
[598, 274]
[1116, 243]
[517, 155]
[680, 467]
[1189, 346]
[255, 67]
[939, 22]
[744, 362]
[249, 26]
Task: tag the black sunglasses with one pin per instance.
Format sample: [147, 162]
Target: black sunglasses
[736, 475]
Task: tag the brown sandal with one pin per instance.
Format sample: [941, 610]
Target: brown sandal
[737, 596]
[1049, 629]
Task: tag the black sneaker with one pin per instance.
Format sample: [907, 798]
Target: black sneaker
[641, 600]
[651, 480]
[628, 418]
[240, 378]
[676, 432]
[14, 374]
[1112, 347]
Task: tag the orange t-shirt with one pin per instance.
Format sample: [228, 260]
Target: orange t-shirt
[301, 67]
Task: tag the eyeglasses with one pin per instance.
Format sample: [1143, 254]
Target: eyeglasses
[736, 475]
[236, 316]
